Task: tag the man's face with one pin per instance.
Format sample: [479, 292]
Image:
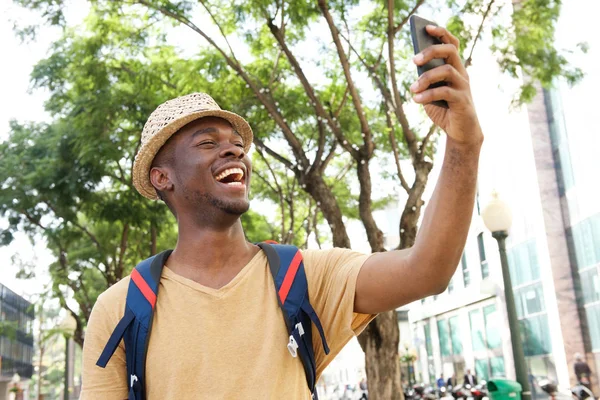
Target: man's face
[211, 170]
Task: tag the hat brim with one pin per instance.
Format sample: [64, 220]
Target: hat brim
[146, 154]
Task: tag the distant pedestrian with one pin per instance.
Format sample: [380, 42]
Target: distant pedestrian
[582, 370]
[451, 381]
[440, 382]
[470, 379]
[363, 388]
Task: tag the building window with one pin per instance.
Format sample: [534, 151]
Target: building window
[523, 263]
[586, 234]
[451, 286]
[590, 285]
[492, 328]
[477, 337]
[481, 369]
[465, 270]
[593, 317]
[444, 337]
[428, 345]
[484, 264]
[536, 335]
[486, 368]
[455, 335]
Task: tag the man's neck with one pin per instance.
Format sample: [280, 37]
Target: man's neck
[211, 256]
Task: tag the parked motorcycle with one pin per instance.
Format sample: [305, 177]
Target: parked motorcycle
[479, 392]
[461, 392]
[578, 392]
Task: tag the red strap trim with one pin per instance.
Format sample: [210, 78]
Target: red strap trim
[140, 282]
[270, 242]
[284, 290]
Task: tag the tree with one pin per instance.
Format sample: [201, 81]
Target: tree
[328, 79]
[48, 330]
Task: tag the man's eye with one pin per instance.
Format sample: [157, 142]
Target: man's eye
[240, 145]
[206, 143]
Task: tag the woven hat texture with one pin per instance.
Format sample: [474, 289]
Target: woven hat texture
[166, 120]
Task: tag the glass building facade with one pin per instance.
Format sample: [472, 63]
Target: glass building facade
[16, 335]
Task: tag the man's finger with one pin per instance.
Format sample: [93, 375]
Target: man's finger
[445, 51]
[447, 93]
[446, 73]
[443, 34]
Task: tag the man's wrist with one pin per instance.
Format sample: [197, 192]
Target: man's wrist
[470, 145]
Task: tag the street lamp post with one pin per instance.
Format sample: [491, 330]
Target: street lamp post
[68, 326]
[497, 217]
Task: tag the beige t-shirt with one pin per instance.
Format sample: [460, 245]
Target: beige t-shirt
[227, 343]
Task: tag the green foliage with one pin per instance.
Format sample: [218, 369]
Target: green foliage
[526, 47]
[9, 329]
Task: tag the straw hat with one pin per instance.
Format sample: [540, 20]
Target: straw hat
[166, 120]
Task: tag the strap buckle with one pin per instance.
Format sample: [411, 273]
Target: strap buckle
[292, 345]
[132, 379]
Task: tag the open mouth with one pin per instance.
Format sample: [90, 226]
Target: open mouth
[231, 177]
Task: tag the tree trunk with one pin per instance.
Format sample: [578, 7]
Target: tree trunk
[374, 234]
[40, 376]
[326, 202]
[412, 210]
[42, 348]
[380, 343]
[381, 339]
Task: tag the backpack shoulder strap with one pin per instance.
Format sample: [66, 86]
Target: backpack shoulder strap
[287, 267]
[134, 327]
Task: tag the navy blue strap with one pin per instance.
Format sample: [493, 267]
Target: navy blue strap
[275, 265]
[308, 309]
[115, 338]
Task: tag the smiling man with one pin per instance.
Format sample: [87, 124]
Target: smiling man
[217, 329]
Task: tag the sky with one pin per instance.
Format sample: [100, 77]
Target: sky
[22, 104]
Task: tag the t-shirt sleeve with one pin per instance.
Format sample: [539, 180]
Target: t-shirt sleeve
[110, 382]
[332, 276]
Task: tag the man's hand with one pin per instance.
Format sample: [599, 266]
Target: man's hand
[459, 121]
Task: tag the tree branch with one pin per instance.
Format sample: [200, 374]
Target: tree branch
[273, 73]
[394, 144]
[485, 14]
[125, 67]
[316, 226]
[321, 144]
[432, 130]
[308, 89]
[122, 249]
[337, 112]
[274, 154]
[408, 134]
[265, 181]
[271, 108]
[220, 29]
[366, 130]
[329, 156]
[405, 19]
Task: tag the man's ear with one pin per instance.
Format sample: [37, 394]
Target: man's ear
[160, 179]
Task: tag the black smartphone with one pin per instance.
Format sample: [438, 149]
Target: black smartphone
[421, 40]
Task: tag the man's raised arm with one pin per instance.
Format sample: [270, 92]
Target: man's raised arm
[391, 279]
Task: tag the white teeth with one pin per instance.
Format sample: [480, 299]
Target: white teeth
[237, 183]
[230, 171]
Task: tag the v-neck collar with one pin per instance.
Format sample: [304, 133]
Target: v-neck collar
[170, 274]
